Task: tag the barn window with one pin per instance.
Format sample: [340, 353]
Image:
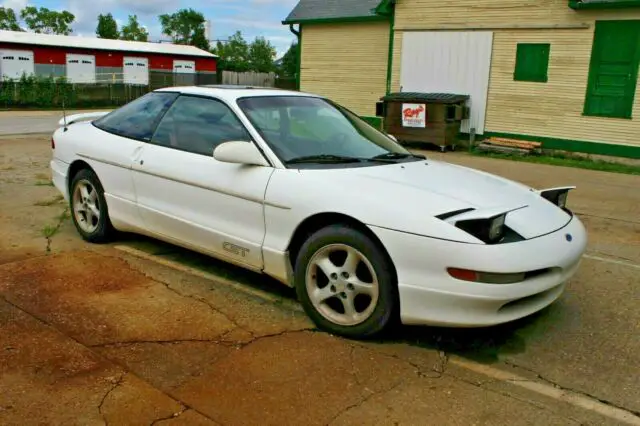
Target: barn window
[532, 62]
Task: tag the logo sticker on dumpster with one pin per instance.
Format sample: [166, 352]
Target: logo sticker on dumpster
[414, 115]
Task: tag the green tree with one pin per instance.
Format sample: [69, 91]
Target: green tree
[133, 31]
[9, 20]
[186, 26]
[107, 27]
[289, 67]
[261, 55]
[234, 54]
[43, 20]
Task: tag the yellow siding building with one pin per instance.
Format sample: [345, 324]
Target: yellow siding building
[562, 72]
[346, 62]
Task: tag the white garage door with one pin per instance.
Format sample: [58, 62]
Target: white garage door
[14, 63]
[449, 62]
[136, 70]
[81, 68]
[184, 67]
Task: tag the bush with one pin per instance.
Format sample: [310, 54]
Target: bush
[50, 92]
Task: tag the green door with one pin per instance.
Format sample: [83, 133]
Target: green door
[613, 71]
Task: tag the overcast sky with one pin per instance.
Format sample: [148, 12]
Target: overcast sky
[252, 17]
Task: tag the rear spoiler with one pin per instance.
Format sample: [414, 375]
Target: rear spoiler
[81, 117]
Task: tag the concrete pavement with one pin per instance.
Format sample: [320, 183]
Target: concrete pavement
[92, 334]
[32, 122]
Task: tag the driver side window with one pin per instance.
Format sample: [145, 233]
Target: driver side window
[198, 125]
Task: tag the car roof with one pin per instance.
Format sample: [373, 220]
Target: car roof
[233, 92]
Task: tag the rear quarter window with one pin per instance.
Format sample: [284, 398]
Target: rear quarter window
[139, 118]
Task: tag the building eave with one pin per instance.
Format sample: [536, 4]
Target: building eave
[339, 20]
[90, 43]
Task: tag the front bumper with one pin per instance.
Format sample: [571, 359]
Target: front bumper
[430, 296]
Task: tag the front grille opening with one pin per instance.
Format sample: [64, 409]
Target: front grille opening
[537, 273]
[529, 300]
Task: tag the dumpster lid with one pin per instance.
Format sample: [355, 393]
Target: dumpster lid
[442, 98]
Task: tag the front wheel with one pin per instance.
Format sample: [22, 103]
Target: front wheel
[89, 208]
[346, 283]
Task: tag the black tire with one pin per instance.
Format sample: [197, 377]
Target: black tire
[384, 313]
[104, 231]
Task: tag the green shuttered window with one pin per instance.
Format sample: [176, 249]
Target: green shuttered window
[613, 71]
[532, 62]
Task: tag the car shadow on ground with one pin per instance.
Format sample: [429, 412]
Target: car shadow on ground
[483, 345]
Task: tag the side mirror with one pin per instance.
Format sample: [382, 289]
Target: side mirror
[239, 152]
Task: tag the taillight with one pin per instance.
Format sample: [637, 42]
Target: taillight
[53, 144]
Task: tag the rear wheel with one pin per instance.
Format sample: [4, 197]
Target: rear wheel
[346, 282]
[89, 208]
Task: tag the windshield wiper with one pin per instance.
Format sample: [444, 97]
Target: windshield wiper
[397, 156]
[325, 158]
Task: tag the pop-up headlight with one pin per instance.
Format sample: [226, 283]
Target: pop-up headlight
[557, 196]
[489, 230]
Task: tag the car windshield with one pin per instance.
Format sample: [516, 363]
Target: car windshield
[302, 129]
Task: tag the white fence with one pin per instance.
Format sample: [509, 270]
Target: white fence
[249, 78]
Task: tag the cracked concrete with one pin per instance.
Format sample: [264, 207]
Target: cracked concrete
[92, 336]
[117, 382]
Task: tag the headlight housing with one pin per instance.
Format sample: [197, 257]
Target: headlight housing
[557, 196]
[489, 230]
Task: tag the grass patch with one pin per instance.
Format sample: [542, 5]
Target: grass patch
[51, 202]
[566, 160]
[49, 231]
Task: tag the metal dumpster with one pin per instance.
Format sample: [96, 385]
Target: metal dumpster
[424, 117]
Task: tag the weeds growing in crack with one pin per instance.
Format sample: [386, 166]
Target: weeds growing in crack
[49, 231]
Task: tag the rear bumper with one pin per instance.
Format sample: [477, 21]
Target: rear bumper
[430, 296]
[59, 176]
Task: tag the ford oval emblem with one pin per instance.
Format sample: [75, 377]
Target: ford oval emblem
[568, 237]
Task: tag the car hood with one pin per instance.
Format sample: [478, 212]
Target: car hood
[437, 187]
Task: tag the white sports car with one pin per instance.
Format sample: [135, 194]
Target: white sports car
[294, 186]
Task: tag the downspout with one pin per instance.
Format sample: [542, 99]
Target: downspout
[298, 35]
[392, 21]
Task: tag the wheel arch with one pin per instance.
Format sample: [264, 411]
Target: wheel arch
[321, 220]
[74, 168]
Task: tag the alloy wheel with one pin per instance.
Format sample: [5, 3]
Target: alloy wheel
[342, 284]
